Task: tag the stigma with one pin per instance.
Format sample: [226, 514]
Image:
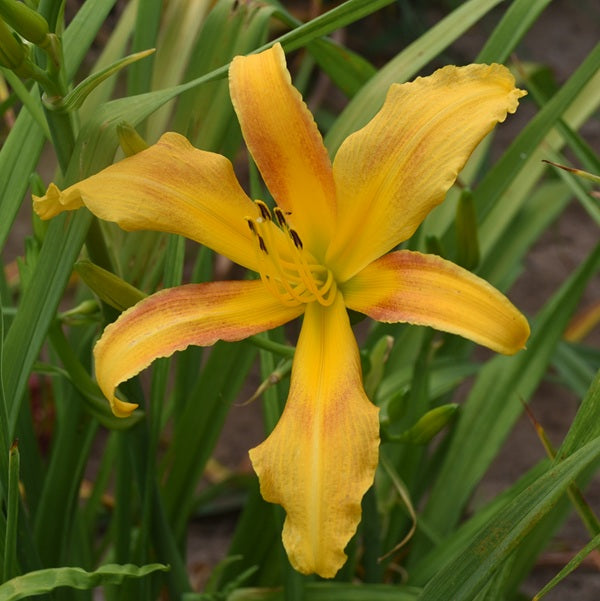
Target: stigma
[286, 268]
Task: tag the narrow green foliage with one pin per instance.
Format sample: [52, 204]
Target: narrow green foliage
[145, 33]
[405, 65]
[325, 591]
[463, 576]
[428, 425]
[42, 581]
[467, 243]
[84, 487]
[29, 101]
[573, 564]
[494, 214]
[9, 567]
[377, 360]
[38, 305]
[110, 288]
[76, 97]
[519, 17]
[94, 400]
[494, 403]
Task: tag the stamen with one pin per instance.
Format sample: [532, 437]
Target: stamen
[324, 293]
[264, 210]
[296, 239]
[292, 279]
[280, 218]
[283, 279]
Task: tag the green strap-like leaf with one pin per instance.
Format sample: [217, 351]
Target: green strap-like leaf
[463, 577]
[75, 98]
[495, 402]
[497, 181]
[43, 581]
[572, 565]
[405, 65]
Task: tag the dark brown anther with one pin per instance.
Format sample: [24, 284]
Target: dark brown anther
[280, 218]
[262, 244]
[264, 210]
[251, 226]
[296, 239]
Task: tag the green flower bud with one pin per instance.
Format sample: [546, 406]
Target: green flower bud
[110, 288]
[12, 52]
[428, 425]
[24, 20]
[377, 360]
[81, 313]
[131, 142]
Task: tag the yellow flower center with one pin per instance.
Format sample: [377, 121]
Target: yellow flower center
[288, 270]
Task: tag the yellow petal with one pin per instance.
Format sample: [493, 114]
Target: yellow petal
[170, 187]
[171, 320]
[285, 143]
[55, 202]
[428, 290]
[321, 458]
[391, 173]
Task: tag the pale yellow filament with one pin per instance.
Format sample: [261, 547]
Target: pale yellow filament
[293, 282]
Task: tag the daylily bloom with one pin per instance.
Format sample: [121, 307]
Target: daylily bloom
[321, 250]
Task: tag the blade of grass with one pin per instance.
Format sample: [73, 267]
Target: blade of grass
[97, 139]
[456, 544]
[30, 102]
[570, 567]
[494, 215]
[226, 32]
[60, 495]
[175, 41]
[113, 49]
[368, 101]
[38, 305]
[494, 403]
[575, 370]
[9, 565]
[333, 591]
[519, 17]
[585, 428]
[18, 157]
[463, 576]
[42, 581]
[145, 33]
[198, 425]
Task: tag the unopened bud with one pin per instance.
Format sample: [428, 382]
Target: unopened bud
[429, 425]
[131, 142]
[25, 21]
[81, 312]
[377, 360]
[12, 52]
[110, 288]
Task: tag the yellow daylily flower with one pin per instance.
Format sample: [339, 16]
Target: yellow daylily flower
[324, 248]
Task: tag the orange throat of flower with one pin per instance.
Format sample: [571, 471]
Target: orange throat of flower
[287, 269]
